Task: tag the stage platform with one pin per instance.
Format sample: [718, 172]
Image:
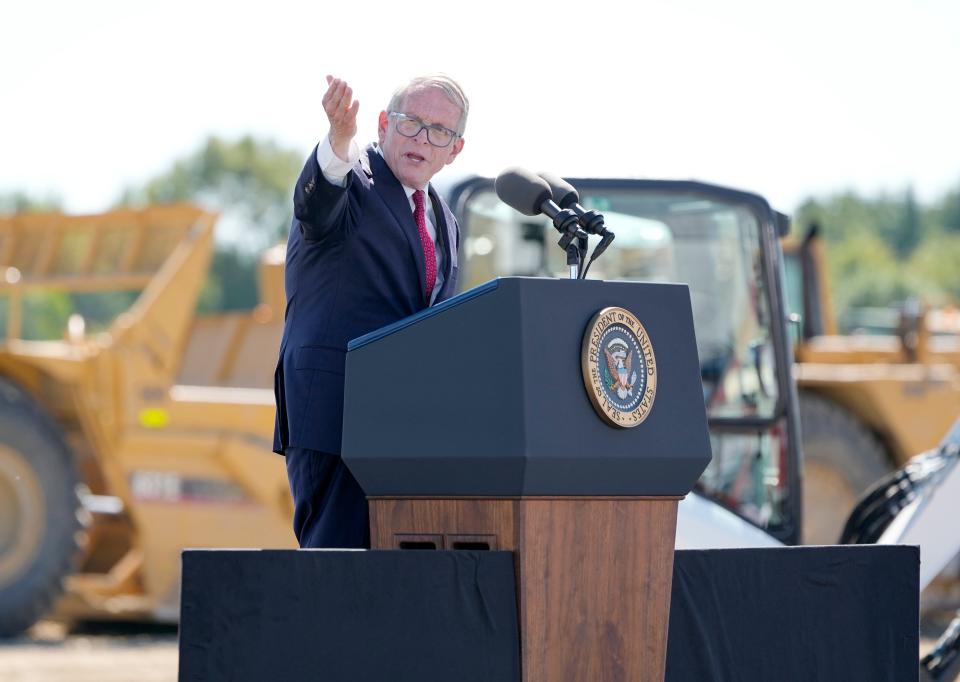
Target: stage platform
[804, 613]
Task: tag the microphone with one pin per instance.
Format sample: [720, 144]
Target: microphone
[531, 195]
[566, 196]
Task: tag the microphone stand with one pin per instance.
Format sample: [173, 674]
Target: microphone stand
[573, 260]
[577, 254]
[566, 222]
[582, 251]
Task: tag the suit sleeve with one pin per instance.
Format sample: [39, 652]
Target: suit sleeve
[324, 210]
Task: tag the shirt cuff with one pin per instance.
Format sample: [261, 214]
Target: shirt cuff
[335, 169]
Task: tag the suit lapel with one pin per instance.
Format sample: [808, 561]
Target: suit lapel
[391, 192]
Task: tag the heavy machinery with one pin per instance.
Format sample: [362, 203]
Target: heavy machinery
[162, 421]
[122, 446]
[868, 401]
[119, 448]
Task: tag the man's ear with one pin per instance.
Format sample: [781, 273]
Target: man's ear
[382, 126]
[457, 146]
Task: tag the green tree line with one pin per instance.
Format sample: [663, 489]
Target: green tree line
[881, 250]
[885, 249]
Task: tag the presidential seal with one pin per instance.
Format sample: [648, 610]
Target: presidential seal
[619, 367]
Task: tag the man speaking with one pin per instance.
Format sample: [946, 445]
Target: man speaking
[371, 242]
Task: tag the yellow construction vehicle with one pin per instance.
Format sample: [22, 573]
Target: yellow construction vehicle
[123, 445]
[868, 401]
[119, 447]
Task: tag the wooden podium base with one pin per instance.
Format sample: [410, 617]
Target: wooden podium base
[593, 574]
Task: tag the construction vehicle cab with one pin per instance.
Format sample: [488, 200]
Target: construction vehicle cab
[725, 245]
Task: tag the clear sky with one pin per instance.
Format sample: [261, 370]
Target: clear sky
[785, 99]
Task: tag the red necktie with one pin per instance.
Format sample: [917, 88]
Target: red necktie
[429, 251]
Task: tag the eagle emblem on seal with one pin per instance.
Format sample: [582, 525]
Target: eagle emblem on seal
[620, 376]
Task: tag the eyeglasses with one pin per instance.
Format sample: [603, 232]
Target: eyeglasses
[410, 126]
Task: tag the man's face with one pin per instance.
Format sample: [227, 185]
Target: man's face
[413, 159]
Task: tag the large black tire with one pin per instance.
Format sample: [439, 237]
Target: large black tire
[40, 511]
[842, 459]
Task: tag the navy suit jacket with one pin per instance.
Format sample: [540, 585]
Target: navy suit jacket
[354, 264]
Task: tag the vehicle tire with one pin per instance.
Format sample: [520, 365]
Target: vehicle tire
[842, 458]
[40, 511]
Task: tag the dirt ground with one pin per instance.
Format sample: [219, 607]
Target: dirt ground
[106, 654]
[126, 653]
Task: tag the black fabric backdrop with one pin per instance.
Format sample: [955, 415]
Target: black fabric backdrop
[823, 614]
[809, 613]
[335, 616]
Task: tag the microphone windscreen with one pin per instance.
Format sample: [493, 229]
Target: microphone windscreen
[564, 194]
[522, 190]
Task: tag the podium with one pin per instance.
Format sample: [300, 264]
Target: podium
[560, 420]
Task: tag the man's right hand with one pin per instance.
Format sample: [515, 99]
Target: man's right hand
[341, 111]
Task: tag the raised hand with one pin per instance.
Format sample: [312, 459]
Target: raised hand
[341, 111]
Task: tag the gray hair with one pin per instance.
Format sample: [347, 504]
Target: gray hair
[447, 85]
